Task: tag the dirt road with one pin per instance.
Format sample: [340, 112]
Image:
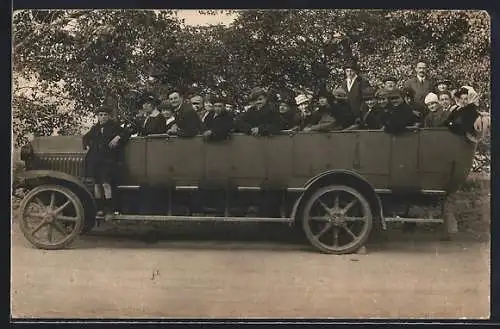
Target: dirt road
[246, 274]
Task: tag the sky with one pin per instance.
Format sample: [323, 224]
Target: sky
[193, 17]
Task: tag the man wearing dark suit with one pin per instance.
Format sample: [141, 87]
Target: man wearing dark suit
[421, 85]
[187, 121]
[218, 123]
[354, 84]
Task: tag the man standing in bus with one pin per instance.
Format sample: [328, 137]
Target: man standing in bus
[421, 84]
[353, 85]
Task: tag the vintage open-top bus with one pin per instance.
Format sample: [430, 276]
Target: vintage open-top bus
[338, 186]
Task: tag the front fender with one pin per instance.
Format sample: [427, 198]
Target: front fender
[31, 175]
[33, 178]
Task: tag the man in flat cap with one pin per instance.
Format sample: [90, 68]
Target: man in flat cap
[262, 119]
[103, 143]
[389, 82]
[353, 85]
[218, 123]
[341, 110]
[401, 115]
[373, 117]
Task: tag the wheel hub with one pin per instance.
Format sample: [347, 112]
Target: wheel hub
[337, 219]
[50, 217]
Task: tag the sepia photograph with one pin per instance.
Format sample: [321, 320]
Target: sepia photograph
[250, 164]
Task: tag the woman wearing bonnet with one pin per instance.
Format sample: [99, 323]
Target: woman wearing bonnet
[465, 118]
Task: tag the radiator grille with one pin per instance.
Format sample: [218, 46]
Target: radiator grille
[70, 163]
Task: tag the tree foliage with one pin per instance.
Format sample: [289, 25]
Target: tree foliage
[97, 56]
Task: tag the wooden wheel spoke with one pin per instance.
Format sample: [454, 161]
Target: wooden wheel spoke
[59, 227]
[335, 237]
[39, 202]
[336, 201]
[58, 210]
[319, 218]
[348, 230]
[67, 218]
[36, 215]
[50, 230]
[327, 209]
[349, 206]
[52, 200]
[36, 229]
[323, 231]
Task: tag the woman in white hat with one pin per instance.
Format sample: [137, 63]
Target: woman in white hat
[436, 116]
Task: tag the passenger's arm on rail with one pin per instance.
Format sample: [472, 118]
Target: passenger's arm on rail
[326, 124]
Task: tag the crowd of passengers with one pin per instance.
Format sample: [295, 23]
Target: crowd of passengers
[354, 104]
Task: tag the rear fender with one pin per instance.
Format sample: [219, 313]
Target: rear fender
[344, 177]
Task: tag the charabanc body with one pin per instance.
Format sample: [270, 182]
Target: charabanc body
[338, 186]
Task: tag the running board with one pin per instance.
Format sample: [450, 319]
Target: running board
[161, 218]
[398, 219]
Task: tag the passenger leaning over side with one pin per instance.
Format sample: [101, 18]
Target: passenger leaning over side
[262, 119]
[436, 116]
[187, 122]
[219, 125]
[155, 122]
[401, 116]
[373, 117]
[103, 142]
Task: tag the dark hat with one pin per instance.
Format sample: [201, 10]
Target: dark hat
[394, 93]
[390, 78]
[323, 92]
[351, 64]
[368, 93]
[151, 98]
[287, 99]
[441, 80]
[382, 93]
[256, 92]
[104, 109]
[460, 92]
